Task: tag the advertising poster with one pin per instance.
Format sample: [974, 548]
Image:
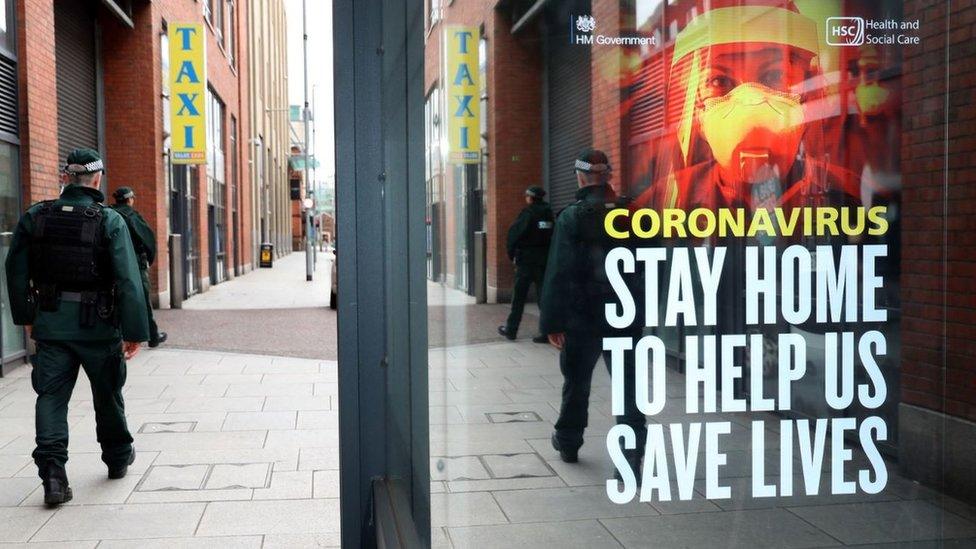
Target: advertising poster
[757, 262]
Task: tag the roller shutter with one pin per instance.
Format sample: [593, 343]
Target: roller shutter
[569, 128]
[75, 52]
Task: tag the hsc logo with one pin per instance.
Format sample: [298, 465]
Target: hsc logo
[845, 31]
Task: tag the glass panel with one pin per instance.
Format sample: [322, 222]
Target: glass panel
[754, 247]
[13, 335]
[8, 25]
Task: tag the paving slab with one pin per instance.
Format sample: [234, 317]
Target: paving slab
[589, 533]
[270, 517]
[130, 521]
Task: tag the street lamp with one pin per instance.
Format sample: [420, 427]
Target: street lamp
[308, 217]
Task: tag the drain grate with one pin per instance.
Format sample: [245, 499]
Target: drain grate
[168, 427]
[513, 417]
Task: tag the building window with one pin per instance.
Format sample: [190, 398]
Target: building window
[434, 15]
[231, 34]
[216, 186]
[213, 12]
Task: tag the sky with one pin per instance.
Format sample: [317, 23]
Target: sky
[319, 26]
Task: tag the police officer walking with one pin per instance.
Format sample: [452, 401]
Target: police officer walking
[73, 281]
[144, 243]
[574, 295]
[528, 247]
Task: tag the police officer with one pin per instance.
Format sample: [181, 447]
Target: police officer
[144, 243]
[573, 316]
[73, 280]
[528, 247]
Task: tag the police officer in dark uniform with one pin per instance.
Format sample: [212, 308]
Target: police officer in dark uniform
[144, 243]
[528, 247]
[574, 295]
[73, 281]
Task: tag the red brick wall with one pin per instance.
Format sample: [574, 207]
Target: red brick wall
[38, 110]
[515, 137]
[132, 82]
[938, 300]
[133, 121]
[514, 117]
[605, 73]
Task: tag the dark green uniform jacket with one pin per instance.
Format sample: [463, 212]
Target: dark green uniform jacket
[576, 287]
[63, 324]
[143, 238]
[529, 236]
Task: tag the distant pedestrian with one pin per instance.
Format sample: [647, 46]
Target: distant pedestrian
[144, 243]
[574, 297]
[73, 281]
[528, 247]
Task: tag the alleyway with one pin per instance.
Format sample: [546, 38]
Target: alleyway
[234, 449]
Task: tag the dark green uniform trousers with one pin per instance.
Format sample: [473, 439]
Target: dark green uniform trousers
[53, 378]
[146, 289]
[526, 274]
[578, 358]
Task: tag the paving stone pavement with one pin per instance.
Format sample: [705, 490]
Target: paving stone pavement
[234, 450]
[496, 481]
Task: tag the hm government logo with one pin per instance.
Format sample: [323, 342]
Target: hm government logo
[585, 23]
[845, 31]
[581, 29]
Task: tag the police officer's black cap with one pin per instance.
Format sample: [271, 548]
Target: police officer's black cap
[592, 161]
[123, 193]
[83, 161]
[535, 192]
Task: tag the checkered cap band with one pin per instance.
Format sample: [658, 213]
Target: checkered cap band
[585, 166]
[90, 167]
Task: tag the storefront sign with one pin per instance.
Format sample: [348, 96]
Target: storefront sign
[463, 95]
[188, 85]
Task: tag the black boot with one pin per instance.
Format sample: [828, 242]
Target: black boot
[159, 341]
[503, 331]
[55, 481]
[541, 338]
[634, 460]
[565, 454]
[120, 471]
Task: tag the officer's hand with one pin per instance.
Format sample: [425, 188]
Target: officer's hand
[557, 340]
[130, 348]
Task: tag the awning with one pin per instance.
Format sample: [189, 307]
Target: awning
[121, 9]
[520, 20]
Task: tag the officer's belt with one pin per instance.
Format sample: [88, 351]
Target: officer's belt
[71, 296]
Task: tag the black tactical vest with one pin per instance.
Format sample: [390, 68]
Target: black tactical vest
[68, 253]
[539, 233]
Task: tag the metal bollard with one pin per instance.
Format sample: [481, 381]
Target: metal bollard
[176, 289]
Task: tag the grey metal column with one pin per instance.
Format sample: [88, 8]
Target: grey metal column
[383, 423]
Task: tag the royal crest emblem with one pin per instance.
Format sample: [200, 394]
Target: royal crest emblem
[585, 23]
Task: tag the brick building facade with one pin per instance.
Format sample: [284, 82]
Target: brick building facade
[211, 206]
[938, 151]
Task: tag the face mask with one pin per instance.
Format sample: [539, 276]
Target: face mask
[751, 128]
[870, 98]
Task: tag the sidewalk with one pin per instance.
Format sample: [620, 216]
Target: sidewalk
[266, 311]
[497, 482]
[280, 287]
[233, 451]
